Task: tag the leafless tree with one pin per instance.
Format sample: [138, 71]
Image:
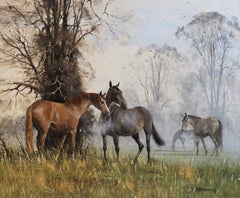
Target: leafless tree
[157, 77]
[46, 41]
[212, 36]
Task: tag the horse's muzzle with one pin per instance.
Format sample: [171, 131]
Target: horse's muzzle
[184, 129]
[124, 105]
[107, 116]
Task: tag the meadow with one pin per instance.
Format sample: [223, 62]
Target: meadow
[171, 174]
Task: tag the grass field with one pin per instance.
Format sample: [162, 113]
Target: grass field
[171, 174]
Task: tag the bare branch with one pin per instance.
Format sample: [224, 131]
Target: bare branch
[21, 86]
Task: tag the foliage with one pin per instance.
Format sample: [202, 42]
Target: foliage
[47, 42]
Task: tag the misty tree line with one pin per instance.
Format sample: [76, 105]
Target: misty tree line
[203, 81]
[47, 40]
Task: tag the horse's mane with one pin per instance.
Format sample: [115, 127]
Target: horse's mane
[77, 99]
[193, 116]
[116, 87]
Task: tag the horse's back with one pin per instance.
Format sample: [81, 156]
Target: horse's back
[137, 112]
[213, 124]
[41, 106]
[130, 121]
[144, 112]
[207, 126]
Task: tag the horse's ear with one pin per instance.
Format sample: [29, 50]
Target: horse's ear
[118, 84]
[101, 94]
[110, 83]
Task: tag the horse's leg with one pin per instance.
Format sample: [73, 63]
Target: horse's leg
[197, 147]
[140, 145]
[62, 142]
[42, 129]
[115, 140]
[202, 140]
[61, 145]
[182, 141]
[72, 142]
[174, 141]
[148, 138]
[216, 145]
[40, 140]
[104, 138]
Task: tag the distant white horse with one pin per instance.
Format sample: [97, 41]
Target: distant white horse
[183, 136]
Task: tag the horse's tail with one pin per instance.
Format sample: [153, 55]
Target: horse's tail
[29, 130]
[220, 139]
[158, 139]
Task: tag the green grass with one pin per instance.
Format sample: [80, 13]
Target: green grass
[173, 175]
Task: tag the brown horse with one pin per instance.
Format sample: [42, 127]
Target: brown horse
[211, 127]
[128, 122]
[60, 118]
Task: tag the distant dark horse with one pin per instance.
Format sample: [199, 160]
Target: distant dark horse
[128, 122]
[211, 127]
[182, 136]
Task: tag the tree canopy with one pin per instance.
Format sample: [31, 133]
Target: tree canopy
[47, 43]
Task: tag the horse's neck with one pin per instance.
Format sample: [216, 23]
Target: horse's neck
[194, 121]
[92, 97]
[113, 106]
[81, 103]
[108, 99]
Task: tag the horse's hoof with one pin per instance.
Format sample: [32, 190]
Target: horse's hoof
[149, 162]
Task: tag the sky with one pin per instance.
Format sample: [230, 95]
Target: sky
[151, 22]
[156, 21]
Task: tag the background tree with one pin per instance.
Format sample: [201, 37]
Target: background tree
[212, 36]
[157, 80]
[46, 41]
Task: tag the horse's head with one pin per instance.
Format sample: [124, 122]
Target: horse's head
[100, 103]
[114, 94]
[185, 122]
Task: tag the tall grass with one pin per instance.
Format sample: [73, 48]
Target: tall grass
[167, 176]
